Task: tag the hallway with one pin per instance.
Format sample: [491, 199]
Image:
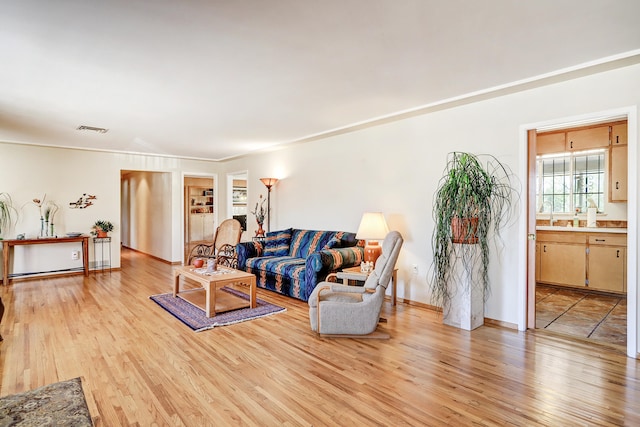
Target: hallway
[592, 316]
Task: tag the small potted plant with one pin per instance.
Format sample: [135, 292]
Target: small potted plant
[101, 228]
[260, 213]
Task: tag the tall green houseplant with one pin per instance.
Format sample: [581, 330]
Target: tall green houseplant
[474, 200]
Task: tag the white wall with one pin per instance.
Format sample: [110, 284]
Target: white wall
[395, 168]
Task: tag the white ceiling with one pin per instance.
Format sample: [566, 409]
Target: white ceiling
[216, 79]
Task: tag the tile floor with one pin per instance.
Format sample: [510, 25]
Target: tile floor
[597, 317]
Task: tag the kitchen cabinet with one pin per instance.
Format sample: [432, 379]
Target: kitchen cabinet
[577, 139]
[562, 258]
[618, 173]
[619, 134]
[618, 163]
[607, 266]
[581, 259]
[587, 139]
[549, 143]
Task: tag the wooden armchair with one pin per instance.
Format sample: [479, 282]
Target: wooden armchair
[223, 247]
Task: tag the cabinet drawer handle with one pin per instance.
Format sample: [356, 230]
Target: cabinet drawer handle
[617, 136]
[600, 240]
[544, 248]
[571, 144]
[618, 253]
[617, 186]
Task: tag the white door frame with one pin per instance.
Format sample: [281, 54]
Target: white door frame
[631, 114]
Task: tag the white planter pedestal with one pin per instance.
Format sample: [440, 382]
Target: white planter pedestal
[465, 309]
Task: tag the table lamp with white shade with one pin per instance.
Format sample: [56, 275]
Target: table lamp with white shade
[373, 227]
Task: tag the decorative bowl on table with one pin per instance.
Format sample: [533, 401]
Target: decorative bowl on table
[74, 234]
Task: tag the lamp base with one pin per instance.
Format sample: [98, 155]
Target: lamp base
[372, 250]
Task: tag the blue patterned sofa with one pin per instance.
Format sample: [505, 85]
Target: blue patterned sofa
[292, 262]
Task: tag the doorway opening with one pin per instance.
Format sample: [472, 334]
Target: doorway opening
[199, 211]
[237, 193]
[145, 212]
[578, 276]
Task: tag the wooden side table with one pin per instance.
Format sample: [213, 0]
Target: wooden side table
[354, 273]
[105, 262]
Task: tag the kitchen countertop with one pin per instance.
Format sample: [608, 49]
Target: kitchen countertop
[583, 229]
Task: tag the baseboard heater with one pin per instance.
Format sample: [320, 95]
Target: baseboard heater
[65, 270]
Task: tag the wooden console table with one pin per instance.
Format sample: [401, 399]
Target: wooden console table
[8, 244]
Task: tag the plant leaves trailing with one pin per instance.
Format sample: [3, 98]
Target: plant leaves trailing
[469, 188]
[7, 211]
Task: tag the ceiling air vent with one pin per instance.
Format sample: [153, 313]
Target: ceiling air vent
[92, 129]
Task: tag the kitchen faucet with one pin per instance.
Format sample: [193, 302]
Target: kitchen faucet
[551, 219]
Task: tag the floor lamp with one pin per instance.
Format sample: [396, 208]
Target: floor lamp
[269, 182]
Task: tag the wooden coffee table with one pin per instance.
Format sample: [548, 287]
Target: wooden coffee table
[206, 297]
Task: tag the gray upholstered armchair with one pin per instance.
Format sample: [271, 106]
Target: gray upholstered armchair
[354, 310]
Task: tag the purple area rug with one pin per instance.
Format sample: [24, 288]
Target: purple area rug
[196, 319]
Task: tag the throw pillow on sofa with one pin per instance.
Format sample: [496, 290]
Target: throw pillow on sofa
[336, 241]
[276, 243]
[305, 242]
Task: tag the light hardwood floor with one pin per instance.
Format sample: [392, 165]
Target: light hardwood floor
[141, 366]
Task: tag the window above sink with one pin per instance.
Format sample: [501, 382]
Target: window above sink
[571, 181]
